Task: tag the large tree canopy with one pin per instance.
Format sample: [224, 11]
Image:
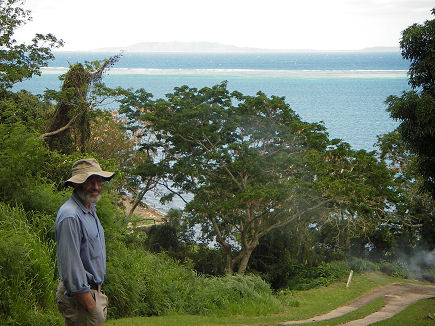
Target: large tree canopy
[253, 166]
[416, 109]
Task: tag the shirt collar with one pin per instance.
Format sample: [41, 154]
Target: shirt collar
[85, 210]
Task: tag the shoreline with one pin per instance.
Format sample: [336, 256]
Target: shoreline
[143, 210]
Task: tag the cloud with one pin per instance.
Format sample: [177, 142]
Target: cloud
[391, 6]
[314, 24]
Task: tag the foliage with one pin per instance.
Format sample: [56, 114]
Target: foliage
[322, 275]
[165, 238]
[417, 45]
[25, 109]
[416, 109]
[20, 61]
[132, 144]
[282, 252]
[108, 138]
[272, 189]
[296, 305]
[27, 269]
[415, 224]
[69, 128]
[25, 170]
[360, 265]
[234, 294]
[393, 269]
[135, 288]
[253, 166]
[358, 186]
[162, 238]
[243, 163]
[207, 261]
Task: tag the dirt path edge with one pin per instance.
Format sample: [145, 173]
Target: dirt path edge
[398, 296]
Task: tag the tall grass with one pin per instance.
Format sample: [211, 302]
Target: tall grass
[141, 283]
[27, 272]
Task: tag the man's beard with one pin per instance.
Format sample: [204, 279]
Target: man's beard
[85, 197]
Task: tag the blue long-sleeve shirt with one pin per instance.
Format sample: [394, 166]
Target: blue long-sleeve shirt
[81, 250]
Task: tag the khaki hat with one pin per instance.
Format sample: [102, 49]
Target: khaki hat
[83, 169]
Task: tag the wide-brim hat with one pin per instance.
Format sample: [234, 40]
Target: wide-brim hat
[83, 169]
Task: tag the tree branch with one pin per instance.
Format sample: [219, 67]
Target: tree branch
[55, 132]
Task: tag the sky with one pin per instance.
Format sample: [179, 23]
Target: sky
[269, 24]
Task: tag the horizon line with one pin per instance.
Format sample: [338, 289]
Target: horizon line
[217, 48]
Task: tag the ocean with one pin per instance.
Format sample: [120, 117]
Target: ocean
[344, 90]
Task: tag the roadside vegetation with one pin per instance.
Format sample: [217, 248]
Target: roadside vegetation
[420, 313]
[290, 211]
[295, 305]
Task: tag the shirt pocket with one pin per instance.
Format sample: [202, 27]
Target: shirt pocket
[95, 248]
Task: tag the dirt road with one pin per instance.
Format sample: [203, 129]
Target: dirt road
[398, 296]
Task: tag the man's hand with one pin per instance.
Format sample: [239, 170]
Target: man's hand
[86, 300]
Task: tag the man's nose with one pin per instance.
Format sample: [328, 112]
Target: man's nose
[94, 183]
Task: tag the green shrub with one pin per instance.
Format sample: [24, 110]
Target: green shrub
[27, 272]
[360, 265]
[141, 283]
[233, 294]
[393, 269]
[207, 261]
[321, 275]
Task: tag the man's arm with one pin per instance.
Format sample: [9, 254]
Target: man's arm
[86, 300]
[70, 265]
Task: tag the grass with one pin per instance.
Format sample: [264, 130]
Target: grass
[417, 314]
[298, 305]
[362, 312]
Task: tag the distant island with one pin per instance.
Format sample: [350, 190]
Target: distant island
[209, 47]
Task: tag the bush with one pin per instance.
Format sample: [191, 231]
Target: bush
[360, 265]
[207, 261]
[393, 269]
[234, 294]
[27, 272]
[321, 275]
[141, 283]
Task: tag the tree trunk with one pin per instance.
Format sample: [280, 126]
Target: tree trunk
[137, 201]
[229, 267]
[245, 259]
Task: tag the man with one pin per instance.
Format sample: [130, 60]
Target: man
[81, 250]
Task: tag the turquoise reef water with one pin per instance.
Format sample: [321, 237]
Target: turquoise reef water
[346, 91]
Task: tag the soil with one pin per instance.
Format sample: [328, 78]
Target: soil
[398, 296]
[148, 215]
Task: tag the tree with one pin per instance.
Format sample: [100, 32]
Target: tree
[143, 168]
[416, 109]
[69, 129]
[358, 188]
[414, 209]
[251, 165]
[242, 163]
[20, 61]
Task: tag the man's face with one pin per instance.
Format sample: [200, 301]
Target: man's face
[90, 190]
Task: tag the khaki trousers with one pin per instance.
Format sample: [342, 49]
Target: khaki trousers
[75, 314]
